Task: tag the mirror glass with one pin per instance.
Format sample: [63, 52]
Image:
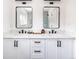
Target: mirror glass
[51, 17]
[23, 17]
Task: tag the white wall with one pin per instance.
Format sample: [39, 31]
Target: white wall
[70, 12]
[67, 14]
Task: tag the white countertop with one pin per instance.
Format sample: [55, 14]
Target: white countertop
[61, 35]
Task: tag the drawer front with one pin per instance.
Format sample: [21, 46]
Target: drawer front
[37, 42]
[37, 51]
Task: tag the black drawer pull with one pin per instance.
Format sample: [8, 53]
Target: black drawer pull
[58, 43]
[15, 43]
[37, 42]
[37, 51]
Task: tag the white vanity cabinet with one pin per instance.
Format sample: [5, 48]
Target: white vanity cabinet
[23, 51]
[51, 49]
[16, 49]
[66, 51]
[9, 49]
[60, 48]
[54, 48]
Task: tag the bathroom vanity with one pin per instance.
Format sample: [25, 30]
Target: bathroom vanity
[39, 48]
[39, 29]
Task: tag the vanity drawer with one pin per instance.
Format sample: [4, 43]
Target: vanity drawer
[37, 51]
[37, 42]
[37, 54]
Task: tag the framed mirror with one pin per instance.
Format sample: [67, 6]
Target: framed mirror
[51, 17]
[24, 17]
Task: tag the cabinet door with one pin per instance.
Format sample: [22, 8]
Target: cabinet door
[9, 51]
[23, 49]
[66, 49]
[51, 49]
